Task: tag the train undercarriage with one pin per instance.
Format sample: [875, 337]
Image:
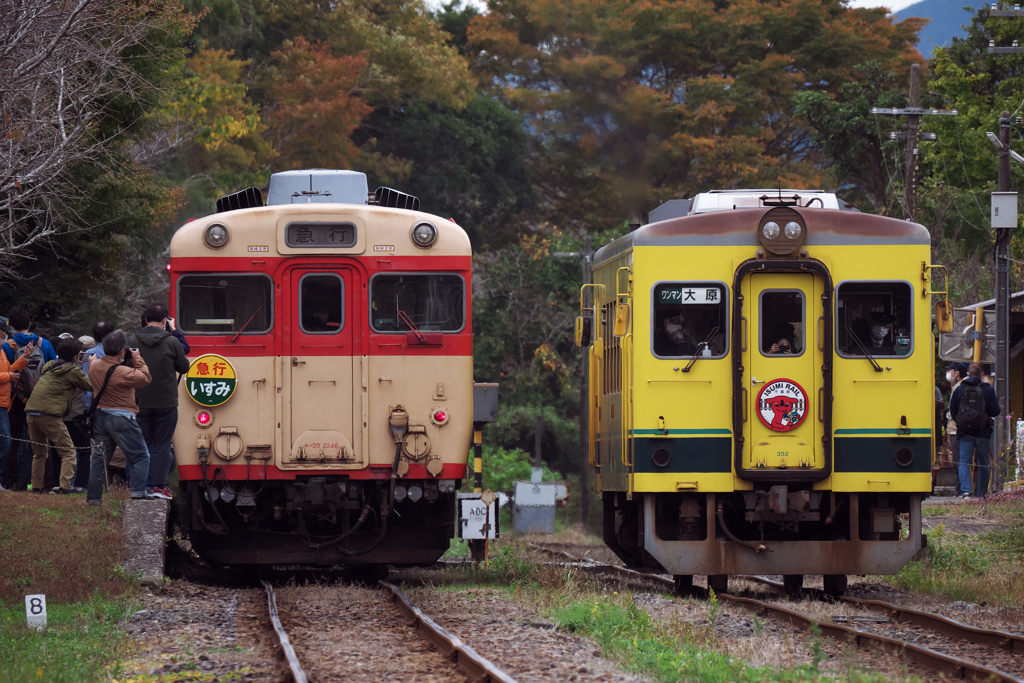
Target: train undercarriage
[770, 530]
[319, 520]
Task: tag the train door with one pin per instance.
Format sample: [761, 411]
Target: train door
[783, 377]
[324, 398]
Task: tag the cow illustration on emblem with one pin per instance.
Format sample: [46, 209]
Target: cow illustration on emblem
[782, 405]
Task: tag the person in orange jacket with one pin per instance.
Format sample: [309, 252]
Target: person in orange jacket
[9, 374]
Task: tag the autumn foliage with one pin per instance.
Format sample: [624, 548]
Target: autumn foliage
[316, 105]
[632, 103]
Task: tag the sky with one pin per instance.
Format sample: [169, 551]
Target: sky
[893, 5]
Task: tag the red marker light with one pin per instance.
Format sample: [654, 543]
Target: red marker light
[204, 418]
[440, 416]
[168, 266]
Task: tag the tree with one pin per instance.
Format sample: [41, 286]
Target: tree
[316, 105]
[466, 164]
[67, 74]
[633, 103]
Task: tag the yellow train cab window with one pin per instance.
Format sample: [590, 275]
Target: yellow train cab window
[689, 318]
[225, 304]
[432, 302]
[874, 318]
[321, 303]
[783, 319]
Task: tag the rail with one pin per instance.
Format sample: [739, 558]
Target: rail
[289, 653]
[475, 667]
[935, 622]
[922, 656]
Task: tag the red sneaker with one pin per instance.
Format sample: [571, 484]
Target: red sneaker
[162, 492]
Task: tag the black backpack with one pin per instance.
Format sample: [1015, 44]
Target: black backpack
[972, 416]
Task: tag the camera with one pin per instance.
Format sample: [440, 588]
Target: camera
[129, 352]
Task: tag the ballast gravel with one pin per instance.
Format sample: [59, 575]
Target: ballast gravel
[211, 633]
[516, 638]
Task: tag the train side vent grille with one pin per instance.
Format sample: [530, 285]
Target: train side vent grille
[248, 198]
[394, 199]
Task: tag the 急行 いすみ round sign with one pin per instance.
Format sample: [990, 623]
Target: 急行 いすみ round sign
[210, 380]
[782, 405]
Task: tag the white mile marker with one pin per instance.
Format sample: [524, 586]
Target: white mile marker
[35, 611]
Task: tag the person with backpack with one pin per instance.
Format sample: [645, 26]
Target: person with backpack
[50, 400]
[8, 375]
[42, 352]
[972, 406]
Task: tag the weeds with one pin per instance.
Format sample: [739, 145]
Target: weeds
[629, 635]
[713, 606]
[80, 643]
[43, 550]
[985, 567]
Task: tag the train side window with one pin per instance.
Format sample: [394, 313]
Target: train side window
[321, 303]
[685, 316]
[433, 302]
[783, 321]
[224, 304]
[876, 317]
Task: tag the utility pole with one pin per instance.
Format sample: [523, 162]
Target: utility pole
[1002, 252]
[913, 128]
[913, 134]
[586, 256]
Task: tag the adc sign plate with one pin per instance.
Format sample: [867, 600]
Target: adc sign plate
[210, 380]
[782, 405]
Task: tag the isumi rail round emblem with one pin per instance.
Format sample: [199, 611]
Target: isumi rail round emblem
[782, 405]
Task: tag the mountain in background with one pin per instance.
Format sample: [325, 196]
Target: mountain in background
[948, 18]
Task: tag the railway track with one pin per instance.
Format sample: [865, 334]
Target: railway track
[994, 646]
[454, 653]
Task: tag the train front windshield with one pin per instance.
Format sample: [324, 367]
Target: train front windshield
[433, 302]
[224, 304]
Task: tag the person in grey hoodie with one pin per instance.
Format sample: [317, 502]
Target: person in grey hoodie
[163, 348]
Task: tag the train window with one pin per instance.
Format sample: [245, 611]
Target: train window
[433, 302]
[875, 317]
[225, 304]
[689, 318]
[782, 322]
[321, 307]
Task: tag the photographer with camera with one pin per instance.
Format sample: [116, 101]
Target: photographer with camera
[115, 377]
[50, 401]
[163, 347]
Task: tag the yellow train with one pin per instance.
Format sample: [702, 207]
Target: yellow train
[762, 388]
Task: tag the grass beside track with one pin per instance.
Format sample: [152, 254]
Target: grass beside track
[984, 567]
[72, 553]
[679, 651]
[663, 650]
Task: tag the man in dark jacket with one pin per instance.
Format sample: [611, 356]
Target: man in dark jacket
[974, 441]
[50, 399]
[163, 348]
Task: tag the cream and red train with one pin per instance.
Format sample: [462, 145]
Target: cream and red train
[331, 341]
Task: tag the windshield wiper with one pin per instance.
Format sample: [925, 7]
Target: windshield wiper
[856, 339]
[233, 339]
[700, 347]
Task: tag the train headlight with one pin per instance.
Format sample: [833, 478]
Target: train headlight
[793, 230]
[424, 235]
[216, 235]
[770, 230]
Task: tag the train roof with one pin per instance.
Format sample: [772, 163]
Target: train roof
[380, 231]
[738, 227]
